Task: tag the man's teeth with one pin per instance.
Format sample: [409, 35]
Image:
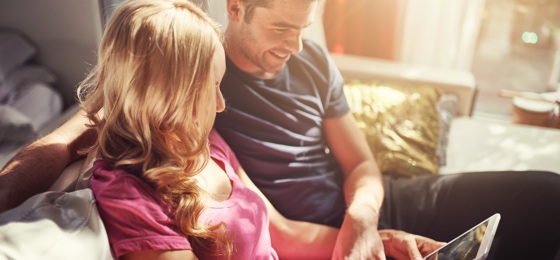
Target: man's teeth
[279, 55]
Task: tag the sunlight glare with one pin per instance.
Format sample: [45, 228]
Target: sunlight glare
[530, 37]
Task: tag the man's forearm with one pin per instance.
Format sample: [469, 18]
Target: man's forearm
[359, 236]
[363, 190]
[38, 165]
[30, 172]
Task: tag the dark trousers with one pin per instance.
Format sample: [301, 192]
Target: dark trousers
[443, 207]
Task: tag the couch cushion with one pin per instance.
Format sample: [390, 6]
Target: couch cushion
[54, 225]
[401, 125]
[478, 144]
[15, 126]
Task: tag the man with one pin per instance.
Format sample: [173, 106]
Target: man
[289, 124]
[259, 41]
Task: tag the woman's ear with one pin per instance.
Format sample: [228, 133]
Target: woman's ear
[234, 10]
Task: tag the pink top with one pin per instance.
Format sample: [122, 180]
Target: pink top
[135, 221]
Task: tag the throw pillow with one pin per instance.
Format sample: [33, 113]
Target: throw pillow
[54, 225]
[15, 49]
[15, 126]
[21, 75]
[401, 125]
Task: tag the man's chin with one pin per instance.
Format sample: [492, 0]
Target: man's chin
[272, 73]
[269, 71]
[276, 68]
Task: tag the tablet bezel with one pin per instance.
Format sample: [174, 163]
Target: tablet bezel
[486, 242]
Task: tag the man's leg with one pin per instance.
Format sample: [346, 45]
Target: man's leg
[443, 207]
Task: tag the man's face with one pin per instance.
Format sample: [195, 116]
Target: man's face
[262, 45]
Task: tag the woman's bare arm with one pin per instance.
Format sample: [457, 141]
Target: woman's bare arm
[295, 239]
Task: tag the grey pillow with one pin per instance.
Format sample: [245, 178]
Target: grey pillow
[54, 225]
[447, 111]
[15, 126]
[21, 75]
[15, 50]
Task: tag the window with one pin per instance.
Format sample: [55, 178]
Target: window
[517, 49]
[506, 44]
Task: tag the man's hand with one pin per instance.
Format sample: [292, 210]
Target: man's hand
[402, 245]
[363, 190]
[358, 238]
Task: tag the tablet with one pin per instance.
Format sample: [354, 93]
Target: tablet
[471, 245]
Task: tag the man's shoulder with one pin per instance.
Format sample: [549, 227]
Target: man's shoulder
[312, 49]
[313, 55]
[309, 44]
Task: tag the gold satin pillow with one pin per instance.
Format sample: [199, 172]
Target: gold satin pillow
[401, 125]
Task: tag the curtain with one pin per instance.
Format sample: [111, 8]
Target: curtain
[440, 33]
[362, 27]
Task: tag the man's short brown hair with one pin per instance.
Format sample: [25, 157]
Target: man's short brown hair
[250, 6]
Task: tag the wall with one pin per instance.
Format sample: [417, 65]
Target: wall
[66, 33]
[363, 27]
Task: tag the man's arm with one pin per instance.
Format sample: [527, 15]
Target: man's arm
[402, 245]
[363, 190]
[37, 166]
[295, 239]
[304, 240]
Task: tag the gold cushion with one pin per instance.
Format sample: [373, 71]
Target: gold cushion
[401, 125]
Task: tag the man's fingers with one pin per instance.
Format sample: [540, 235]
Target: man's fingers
[427, 246]
[413, 251]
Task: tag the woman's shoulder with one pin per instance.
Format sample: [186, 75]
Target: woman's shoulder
[113, 183]
[135, 218]
[216, 139]
[107, 174]
[221, 151]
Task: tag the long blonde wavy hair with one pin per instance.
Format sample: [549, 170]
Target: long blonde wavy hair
[152, 100]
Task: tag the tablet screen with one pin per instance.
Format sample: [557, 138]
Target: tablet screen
[467, 245]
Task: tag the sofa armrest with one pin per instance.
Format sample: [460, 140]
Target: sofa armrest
[450, 81]
[477, 144]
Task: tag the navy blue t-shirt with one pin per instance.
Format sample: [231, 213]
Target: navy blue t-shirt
[275, 129]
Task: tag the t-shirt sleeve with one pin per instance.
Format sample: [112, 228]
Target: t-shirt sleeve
[221, 150]
[335, 103]
[133, 218]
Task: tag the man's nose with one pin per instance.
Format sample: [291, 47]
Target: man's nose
[294, 42]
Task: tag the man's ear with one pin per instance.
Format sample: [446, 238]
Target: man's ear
[234, 10]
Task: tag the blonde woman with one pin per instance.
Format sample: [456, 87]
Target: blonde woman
[152, 101]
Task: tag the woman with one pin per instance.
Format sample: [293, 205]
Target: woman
[152, 100]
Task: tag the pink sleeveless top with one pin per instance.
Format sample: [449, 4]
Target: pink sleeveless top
[135, 220]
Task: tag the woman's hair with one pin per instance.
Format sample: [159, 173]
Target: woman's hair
[152, 100]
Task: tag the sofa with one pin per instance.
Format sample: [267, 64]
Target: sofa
[67, 211]
[473, 144]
